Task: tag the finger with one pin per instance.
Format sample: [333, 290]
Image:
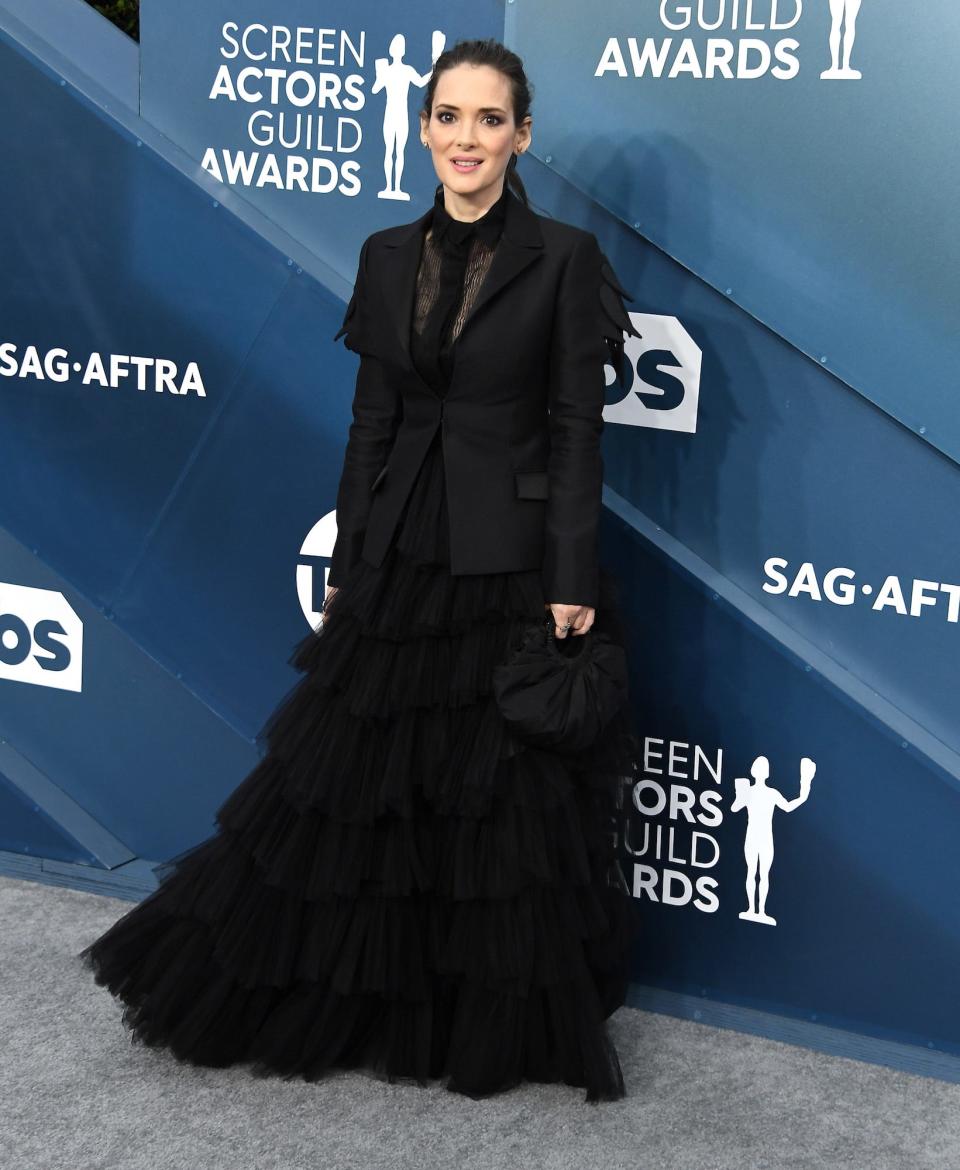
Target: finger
[559, 623]
[585, 621]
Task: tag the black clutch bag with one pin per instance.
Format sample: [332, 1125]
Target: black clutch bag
[560, 693]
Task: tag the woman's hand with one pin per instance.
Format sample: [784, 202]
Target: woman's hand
[331, 589]
[580, 618]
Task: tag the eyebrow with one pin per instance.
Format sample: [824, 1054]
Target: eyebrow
[483, 109]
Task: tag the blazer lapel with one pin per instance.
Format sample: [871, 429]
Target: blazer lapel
[521, 242]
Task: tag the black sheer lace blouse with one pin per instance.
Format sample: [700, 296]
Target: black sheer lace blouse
[454, 259]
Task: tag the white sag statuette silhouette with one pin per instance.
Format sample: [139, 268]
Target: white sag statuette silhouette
[760, 803]
[843, 32]
[395, 77]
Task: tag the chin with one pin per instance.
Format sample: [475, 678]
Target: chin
[470, 184]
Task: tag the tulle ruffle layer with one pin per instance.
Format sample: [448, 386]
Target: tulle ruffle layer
[398, 884]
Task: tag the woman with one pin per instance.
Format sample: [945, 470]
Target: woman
[401, 884]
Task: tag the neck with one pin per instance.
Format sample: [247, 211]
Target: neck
[467, 209]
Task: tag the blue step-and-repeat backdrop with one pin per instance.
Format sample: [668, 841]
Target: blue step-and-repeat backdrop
[774, 182]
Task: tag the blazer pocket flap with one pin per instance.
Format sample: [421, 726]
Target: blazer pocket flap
[376, 483]
[533, 485]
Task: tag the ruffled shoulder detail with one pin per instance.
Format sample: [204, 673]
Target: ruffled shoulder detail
[614, 317]
[350, 325]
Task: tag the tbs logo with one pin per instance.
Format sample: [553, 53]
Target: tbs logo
[41, 638]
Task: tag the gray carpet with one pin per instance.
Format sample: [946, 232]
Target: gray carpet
[77, 1094]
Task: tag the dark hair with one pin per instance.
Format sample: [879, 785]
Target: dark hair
[498, 56]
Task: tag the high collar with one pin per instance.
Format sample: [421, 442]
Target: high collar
[455, 233]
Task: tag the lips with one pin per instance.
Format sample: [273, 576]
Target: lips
[466, 164]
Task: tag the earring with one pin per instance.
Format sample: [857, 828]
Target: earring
[426, 144]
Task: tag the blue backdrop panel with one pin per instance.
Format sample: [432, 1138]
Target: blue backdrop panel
[230, 537]
[786, 463]
[825, 207]
[135, 763]
[203, 85]
[860, 883]
[113, 253]
[172, 524]
[25, 828]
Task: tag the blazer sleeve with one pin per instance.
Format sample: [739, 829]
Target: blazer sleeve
[589, 323]
[376, 415]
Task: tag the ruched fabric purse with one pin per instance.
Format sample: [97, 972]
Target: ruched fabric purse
[560, 693]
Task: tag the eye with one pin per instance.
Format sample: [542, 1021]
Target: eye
[448, 114]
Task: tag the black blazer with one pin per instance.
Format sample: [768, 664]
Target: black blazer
[522, 417]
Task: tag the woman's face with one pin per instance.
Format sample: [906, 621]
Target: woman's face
[472, 118]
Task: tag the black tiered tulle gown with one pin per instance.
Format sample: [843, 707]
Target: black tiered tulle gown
[399, 884]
